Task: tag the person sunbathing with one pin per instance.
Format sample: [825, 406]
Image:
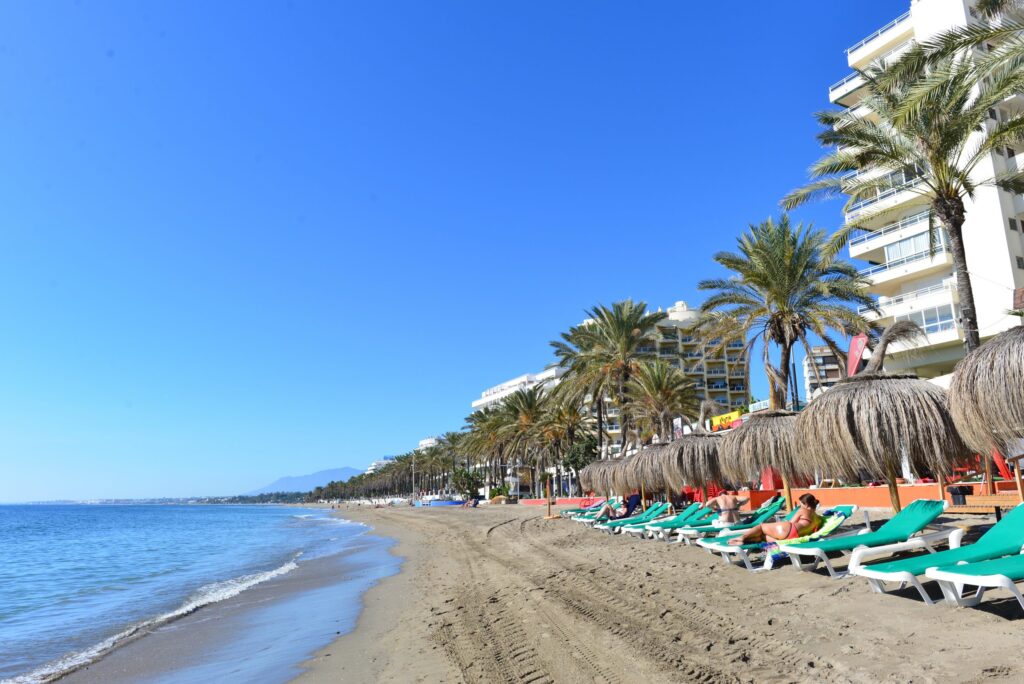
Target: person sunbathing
[728, 507]
[631, 504]
[804, 522]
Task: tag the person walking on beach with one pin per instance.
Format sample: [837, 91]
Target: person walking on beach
[804, 522]
[728, 506]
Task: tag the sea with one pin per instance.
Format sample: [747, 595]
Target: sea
[177, 593]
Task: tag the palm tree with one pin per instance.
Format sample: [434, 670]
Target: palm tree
[933, 150]
[660, 393]
[786, 285]
[604, 352]
[564, 423]
[526, 409]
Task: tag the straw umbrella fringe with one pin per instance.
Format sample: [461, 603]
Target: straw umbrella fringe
[986, 395]
[693, 458]
[875, 422]
[764, 440]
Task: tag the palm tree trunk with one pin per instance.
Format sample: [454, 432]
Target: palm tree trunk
[600, 428]
[951, 214]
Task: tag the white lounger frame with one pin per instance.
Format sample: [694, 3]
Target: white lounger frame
[742, 555]
[877, 578]
[922, 541]
[952, 584]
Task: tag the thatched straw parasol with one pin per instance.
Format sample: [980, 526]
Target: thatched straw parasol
[693, 458]
[986, 395]
[764, 440]
[875, 421]
[624, 475]
[597, 476]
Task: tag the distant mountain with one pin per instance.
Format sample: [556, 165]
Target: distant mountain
[305, 483]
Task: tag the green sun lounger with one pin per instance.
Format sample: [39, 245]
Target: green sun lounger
[1005, 538]
[834, 517]
[577, 511]
[685, 534]
[901, 529]
[999, 573]
[642, 529]
[612, 526]
[588, 518]
[703, 516]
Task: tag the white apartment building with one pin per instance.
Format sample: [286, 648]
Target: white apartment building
[426, 443]
[377, 465]
[720, 376]
[548, 378]
[828, 370]
[910, 281]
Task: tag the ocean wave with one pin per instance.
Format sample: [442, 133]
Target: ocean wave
[204, 596]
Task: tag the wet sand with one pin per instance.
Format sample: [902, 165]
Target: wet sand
[260, 635]
[502, 595]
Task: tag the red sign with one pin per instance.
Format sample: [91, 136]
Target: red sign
[857, 346]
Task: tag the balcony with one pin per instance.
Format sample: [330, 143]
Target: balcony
[899, 29]
[718, 386]
[696, 370]
[736, 345]
[863, 241]
[646, 350]
[737, 388]
[687, 339]
[888, 198]
[716, 371]
[917, 264]
[693, 355]
[944, 291]
[844, 92]
[668, 351]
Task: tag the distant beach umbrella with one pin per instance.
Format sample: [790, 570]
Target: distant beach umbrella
[625, 475]
[986, 394]
[693, 458]
[597, 476]
[879, 423]
[764, 440]
[646, 469]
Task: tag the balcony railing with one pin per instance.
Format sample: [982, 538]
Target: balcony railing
[839, 84]
[735, 345]
[885, 194]
[891, 228]
[903, 261]
[646, 350]
[909, 296]
[668, 351]
[892, 24]
[716, 371]
[686, 339]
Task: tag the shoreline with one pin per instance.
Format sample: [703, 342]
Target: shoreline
[500, 594]
[388, 642]
[262, 633]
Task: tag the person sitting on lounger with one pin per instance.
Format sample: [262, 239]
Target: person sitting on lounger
[631, 504]
[804, 522]
[728, 507]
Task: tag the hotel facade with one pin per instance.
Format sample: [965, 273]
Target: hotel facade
[718, 375]
[911, 280]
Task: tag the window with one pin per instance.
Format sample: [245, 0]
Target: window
[910, 246]
[932, 320]
[1013, 223]
[1010, 152]
[1020, 262]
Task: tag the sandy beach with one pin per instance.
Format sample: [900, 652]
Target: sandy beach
[500, 594]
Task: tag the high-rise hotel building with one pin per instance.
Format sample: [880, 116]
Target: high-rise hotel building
[910, 280]
[718, 375]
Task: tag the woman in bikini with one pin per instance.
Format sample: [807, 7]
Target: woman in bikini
[804, 522]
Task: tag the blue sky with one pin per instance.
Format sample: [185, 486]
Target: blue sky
[245, 240]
